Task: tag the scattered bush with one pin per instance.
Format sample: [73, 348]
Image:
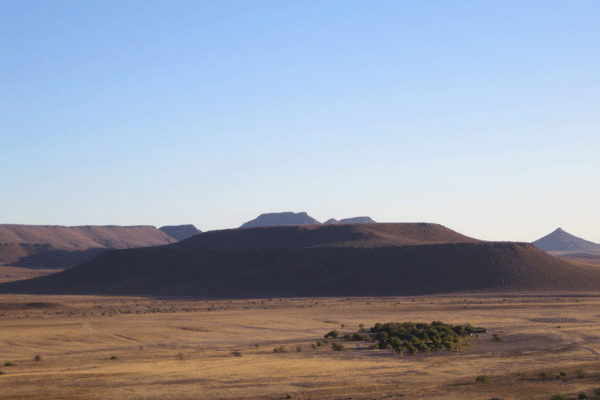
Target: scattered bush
[114, 358]
[337, 346]
[37, 358]
[559, 396]
[279, 349]
[179, 356]
[2, 372]
[9, 364]
[497, 338]
[236, 353]
[314, 346]
[332, 334]
[563, 374]
[597, 392]
[582, 396]
[580, 372]
[359, 337]
[545, 375]
[298, 349]
[482, 378]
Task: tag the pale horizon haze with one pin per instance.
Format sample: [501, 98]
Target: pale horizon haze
[480, 116]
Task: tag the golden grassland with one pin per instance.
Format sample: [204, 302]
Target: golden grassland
[94, 347]
[9, 274]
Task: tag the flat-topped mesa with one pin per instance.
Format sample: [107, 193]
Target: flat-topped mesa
[180, 232]
[316, 272]
[562, 241]
[281, 219]
[357, 220]
[331, 235]
[353, 220]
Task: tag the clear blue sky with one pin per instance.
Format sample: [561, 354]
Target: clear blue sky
[482, 116]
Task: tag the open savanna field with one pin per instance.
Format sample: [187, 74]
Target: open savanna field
[93, 347]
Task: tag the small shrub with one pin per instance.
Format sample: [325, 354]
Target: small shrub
[37, 358]
[497, 338]
[326, 341]
[314, 346]
[563, 374]
[9, 364]
[279, 349]
[289, 396]
[482, 378]
[338, 347]
[2, 372]
[298, 349]
[545, 375]
[236, 353]
[559, 396]
[373, 346]
[582, 396]
[597, 392]
[114, 358]
[333, 334]
[179, 356]
[580, 372]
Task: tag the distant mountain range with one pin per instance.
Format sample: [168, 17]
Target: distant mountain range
[301, 218]
[564, 242]
[180, 232]
[319, 260]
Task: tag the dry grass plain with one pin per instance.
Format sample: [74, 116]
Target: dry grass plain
[184, 349]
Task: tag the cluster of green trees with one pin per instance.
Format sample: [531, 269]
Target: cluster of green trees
[420, 337]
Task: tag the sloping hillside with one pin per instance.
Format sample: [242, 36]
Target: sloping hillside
[324, 271]
[84, 237]
[180, 232]
[50, 247]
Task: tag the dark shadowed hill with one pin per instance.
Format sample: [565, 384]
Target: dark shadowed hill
[324, 271]
[52, 247]
[180, 232]
[279, 219]
[360, 260]
[561, 241]
[335, 235]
